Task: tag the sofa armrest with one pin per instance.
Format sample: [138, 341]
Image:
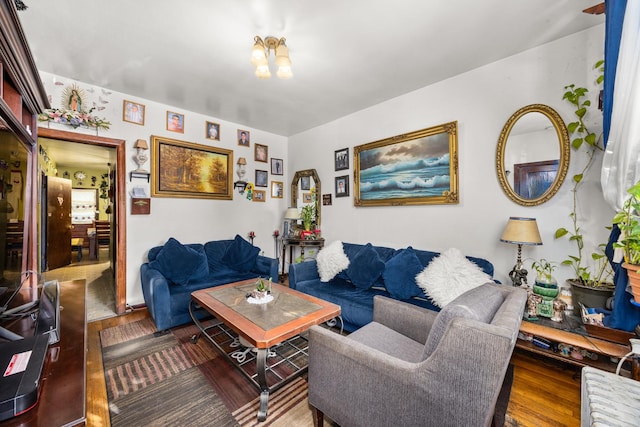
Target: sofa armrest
[302, 271]
[155, 290]
[414, 322]
[267, 267]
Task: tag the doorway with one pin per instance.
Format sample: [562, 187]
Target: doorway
[117, 212]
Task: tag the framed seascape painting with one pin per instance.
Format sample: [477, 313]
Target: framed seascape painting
[185, 169]
[417, 168]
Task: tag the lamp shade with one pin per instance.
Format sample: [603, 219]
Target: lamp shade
[292, 213]
[523, 231]
[141, 143]
[242, 161]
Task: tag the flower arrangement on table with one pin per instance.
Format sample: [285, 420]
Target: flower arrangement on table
[73, 118]
[262, 293]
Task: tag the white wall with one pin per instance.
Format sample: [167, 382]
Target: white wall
[188, 220]
[481, 101]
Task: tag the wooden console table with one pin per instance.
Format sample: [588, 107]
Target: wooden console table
[63, 379]
[301, 243]
[605, 349]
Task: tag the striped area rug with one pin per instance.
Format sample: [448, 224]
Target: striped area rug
[167, 380]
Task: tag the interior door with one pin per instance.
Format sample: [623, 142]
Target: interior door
[58, 222]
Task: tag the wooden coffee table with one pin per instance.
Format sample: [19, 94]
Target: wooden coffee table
[261, 327]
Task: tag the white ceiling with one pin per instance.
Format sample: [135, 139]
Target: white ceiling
[346, 55]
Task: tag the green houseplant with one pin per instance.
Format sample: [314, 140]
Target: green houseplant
[308, 215]
[628, 220]
[544, 272]
[591, 283]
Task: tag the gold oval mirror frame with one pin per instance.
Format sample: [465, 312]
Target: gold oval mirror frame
[524, 176]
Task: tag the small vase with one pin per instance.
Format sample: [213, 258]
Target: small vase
[259, 294]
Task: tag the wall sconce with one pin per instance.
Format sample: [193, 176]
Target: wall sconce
[260, 57]
[241, 184]
[141, 156]
[520, 231]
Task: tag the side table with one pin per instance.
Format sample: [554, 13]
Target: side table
[302, 244]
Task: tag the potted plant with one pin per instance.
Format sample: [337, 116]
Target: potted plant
[544, 272]
[308, 215]
[591, 284]
[628, 220]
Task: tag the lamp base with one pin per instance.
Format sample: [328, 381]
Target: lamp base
[518, 275]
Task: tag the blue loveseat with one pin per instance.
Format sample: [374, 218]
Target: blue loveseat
[353, 289]
[175, 270]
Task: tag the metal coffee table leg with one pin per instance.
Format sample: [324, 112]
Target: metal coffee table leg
[261, 359]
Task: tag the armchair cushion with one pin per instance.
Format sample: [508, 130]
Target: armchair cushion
[365, 268]
[450, 275]
[179, 263]
[331, 260]
[400, 274]
[241, 255]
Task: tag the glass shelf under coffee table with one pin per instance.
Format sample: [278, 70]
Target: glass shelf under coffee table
[262, 340]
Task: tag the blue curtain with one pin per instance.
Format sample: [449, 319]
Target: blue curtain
[613, 29]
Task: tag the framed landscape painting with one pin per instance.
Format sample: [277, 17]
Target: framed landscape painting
[416, 168]
[185, 169]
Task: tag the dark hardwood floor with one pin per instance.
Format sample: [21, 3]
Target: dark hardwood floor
[544, 392]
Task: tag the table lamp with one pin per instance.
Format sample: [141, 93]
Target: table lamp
[291, 215]
[520, 231]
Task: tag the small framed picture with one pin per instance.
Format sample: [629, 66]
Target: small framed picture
[133, 112]
[307, 198]
[342, 159]
[326, 199]
[342, 186]
[175, 122]
[261, 178]
[212, 131]
[261, 153]
[259, 195]
[277, 189]
[305, 183]
[277, 166]
[243, 137]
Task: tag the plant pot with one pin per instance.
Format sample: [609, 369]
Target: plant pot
[634, 279]
[592, 297]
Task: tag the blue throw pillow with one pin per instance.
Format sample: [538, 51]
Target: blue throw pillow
[400, 274]
[180, 263]
[365, 267]
[241, 255]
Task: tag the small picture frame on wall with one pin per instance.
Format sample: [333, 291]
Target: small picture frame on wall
[133, 112]
[307, 198]
[277, 189]
[342, 159]
[212, 131]
[261, 153]
[326, 199]
[277, 166]
[342, 186]
[175, 122]
[261, 178]
[259, 195]
[244, 137]
[305, 183]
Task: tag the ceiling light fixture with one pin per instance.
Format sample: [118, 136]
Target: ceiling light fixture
[260, 57]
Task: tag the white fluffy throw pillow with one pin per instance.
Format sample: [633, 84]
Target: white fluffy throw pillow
[450, 275]
[331, 260]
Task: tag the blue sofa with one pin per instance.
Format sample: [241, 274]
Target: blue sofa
[174, 271]
[356, 299]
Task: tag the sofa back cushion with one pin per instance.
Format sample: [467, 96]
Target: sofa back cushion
[180, 263]
[480, 303]
[241, 255]
[215, 251]
[352, 249]
[400, 274]
[365, 267]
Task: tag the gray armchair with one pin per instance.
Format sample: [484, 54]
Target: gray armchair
[416, 367]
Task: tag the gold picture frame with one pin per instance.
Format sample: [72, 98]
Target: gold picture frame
[417, 168]
[277, 189]
[259, 196]
[188, 170]
[133, 112]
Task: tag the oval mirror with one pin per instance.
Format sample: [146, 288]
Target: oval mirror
[305, 189]
[532, 157]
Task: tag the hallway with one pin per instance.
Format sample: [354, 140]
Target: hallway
[100, 282]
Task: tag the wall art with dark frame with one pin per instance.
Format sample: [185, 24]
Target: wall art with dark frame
[261, 178]
[342, 186]
[133, 112]
[341, 159]
[185, 169]
[277, 166]
[417, 168]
